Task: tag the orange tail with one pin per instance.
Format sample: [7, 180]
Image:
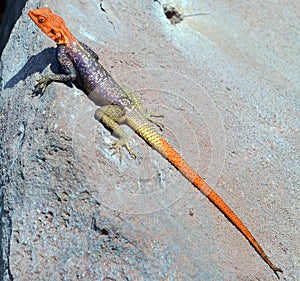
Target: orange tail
[173, 156]
[154, 139]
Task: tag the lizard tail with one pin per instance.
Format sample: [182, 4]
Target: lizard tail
[154, 139]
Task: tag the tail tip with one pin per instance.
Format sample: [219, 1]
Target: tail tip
[276, 270]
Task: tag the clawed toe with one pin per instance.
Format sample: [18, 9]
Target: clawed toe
[41, 86]
[118, 145]
[153, 114]
[150, 115]
[158, 124]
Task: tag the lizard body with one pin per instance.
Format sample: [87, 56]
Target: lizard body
[80, 65]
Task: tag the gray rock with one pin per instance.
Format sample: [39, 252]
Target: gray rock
[10, 15]
[226, 83]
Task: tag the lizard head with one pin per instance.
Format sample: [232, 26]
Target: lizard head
[51, 24]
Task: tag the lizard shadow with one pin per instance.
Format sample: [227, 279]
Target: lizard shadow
[36, 64]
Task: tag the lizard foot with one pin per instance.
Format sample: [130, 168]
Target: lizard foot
[154, 114]
[41, 85]
[118, 145]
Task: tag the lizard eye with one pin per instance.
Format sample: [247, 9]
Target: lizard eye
[41, 20]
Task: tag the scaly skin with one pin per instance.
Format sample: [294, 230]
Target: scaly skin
[80, 65]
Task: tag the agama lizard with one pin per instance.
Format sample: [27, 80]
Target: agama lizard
[80, 65]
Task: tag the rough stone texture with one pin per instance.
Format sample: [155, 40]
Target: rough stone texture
[12, 12]
[228, 85]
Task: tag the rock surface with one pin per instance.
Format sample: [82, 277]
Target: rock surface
[228, 86]
[11, 12]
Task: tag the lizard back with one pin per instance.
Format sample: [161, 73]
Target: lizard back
[91, 76]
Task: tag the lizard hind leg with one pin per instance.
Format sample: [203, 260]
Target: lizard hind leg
[149, 116]
[110, 116]
[144, 112]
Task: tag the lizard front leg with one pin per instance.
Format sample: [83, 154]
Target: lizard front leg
[111, 116]
[66, 65]
[43, 82]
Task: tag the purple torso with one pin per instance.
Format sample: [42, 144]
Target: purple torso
[92, 78]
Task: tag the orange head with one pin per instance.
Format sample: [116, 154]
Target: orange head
[53, 25]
